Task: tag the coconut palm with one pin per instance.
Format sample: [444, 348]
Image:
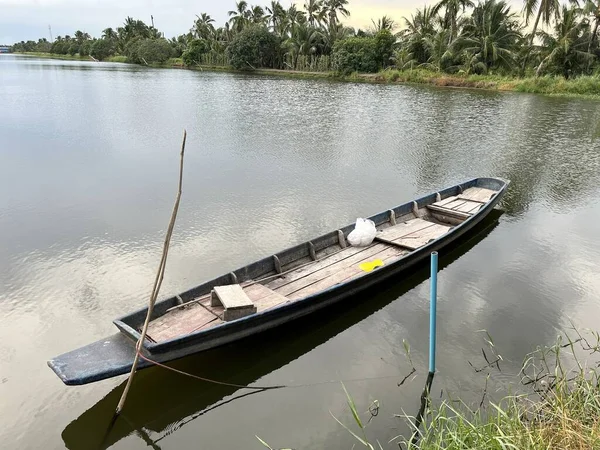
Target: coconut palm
[564, 51]
[109, 33]
[591, 8]
[333, 8]
[203, 27]
[384, 23]
[239, 17]
[257, 15]
[419, 34]
[543, 10]
[314, 12]
[276, 17]
[303, 41]
[489, 37]
[452, 10]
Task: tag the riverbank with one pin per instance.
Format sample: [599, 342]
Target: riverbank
[583, 86]
[557, 406]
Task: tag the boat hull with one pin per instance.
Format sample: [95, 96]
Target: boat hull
[114, 355]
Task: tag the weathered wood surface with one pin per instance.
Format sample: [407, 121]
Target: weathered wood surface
[478, 194]
[422, 237]
[263, 297]
[312, 277]
[231, 296]
[387, 255]
[449, 212]
[179, 322]
[403, 229]
[305, 270]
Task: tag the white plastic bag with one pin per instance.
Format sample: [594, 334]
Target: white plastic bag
[363, 234]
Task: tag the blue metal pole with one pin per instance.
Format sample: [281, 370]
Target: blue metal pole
[433, 311]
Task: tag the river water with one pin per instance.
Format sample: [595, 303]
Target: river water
[88, 169]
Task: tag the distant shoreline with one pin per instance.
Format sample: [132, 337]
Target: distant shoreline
[583, 86]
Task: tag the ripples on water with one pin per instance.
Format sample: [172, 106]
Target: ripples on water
[88, 166]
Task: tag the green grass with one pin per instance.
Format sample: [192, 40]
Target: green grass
[549, 85]
[55, 56]
[557, 407]
[117, 58]
[587, 86]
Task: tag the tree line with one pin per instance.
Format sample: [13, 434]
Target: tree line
[451, 36]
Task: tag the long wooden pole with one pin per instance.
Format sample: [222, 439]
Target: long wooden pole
[157, 282]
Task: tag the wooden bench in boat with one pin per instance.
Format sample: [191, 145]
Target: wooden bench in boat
[235, 301]
[460, 207]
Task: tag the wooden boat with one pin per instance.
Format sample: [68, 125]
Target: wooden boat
[286, 286]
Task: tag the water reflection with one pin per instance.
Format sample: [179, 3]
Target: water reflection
[88, 165]
[161, 402]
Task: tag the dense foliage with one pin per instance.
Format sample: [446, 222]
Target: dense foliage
[451, 36]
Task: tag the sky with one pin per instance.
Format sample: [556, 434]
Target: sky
[29, 19]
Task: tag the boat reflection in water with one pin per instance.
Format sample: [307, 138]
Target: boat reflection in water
[161, 401]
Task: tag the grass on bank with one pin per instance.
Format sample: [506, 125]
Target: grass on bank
[561, 409]
[583, 85]
[558, 408]
[588, 86]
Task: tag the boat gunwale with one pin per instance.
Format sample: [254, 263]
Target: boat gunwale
[379, 218]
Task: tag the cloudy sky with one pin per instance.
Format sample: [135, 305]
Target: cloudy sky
[29, 19]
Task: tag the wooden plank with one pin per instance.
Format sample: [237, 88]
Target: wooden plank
[263, 297]
[420, 238]
[306, 270]
[468, 206]
[446, 200]
[387, 255]
[479, 194]
[403, 229]
[449, 212]
[455, 204]
[335, 268]
[231, 296]
[180, 322]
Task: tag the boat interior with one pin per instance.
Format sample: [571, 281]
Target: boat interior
[313, 266]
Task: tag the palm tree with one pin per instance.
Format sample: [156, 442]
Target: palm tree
[295, 16]
[257, 15]
[203, 27]
[333, 8]
[302, 41]
[314, 11]
[80, 36]
[276, 16]
[452, 10]
[591, 7]
[565, 50]
[546, 9]
[385, 23]
[109, 33]
[418, 36]
[238, 18]
[490, 37]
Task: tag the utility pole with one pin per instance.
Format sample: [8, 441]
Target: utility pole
[50, 31]
[152, 19]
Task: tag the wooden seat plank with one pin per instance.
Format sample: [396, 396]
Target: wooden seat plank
[446, 200]
[231, 296]
[455, 204]
[179, 322]
[478, 194]
[403, 229]
[370, 253]
[263, 297]
[318, 265]
[448, 212]
[387, 255]
[422, 237]
[469, 207]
